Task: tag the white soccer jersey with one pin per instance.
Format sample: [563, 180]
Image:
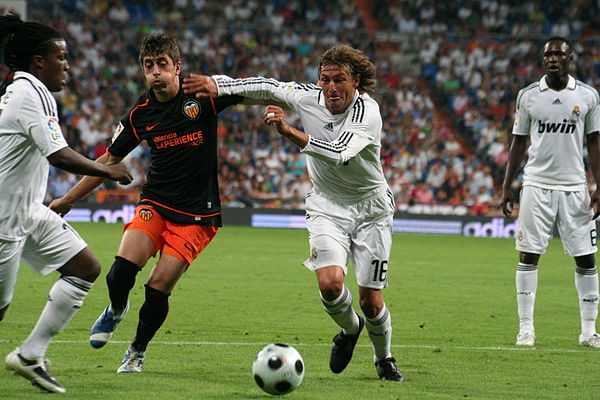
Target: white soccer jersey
[344, 148]
[556, 123]
[29, 132]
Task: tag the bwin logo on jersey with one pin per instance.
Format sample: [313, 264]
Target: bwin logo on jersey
[567, 127]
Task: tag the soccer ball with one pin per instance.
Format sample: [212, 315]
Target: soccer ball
[278, 369]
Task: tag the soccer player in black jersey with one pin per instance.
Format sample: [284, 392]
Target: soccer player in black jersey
[179, 211]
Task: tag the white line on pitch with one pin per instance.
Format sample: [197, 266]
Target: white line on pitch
[402, 346]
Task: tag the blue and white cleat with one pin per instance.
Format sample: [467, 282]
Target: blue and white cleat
[105, 326]
[132, 362]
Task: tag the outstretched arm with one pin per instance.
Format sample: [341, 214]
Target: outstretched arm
[515, 158]
[87, 185]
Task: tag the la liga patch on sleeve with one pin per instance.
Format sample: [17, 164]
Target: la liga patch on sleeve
[54, 128]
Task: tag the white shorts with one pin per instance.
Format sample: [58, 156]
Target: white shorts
[49, 246]
[541, 208]
[361, 232]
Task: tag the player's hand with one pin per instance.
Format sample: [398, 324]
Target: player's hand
[120, 173]
[200, 85]
[61, 206]
[274, 116]
[507, 204]
[595, 204]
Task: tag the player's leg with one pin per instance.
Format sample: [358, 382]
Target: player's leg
[329, 247]
[371, 249]
[53, 245]
[526, 282]
[537, 213]
[182, 245]
[578, 233]
[153, 312]
[10, 256]
[586, 283]
[141, 239]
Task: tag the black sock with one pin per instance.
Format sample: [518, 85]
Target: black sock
[120, 279]
[152, 315]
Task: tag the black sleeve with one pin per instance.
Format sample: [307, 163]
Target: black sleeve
[223, 102]
[124, 139]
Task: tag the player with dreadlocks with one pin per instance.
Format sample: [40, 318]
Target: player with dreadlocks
[30, 140]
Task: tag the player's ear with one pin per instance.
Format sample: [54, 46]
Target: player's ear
[38, 62]
[178, 68]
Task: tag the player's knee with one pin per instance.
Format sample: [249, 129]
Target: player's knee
[331, 288]
[155, 308]
[588, 261]
[371, 306]
[122, 274]
[529, 258]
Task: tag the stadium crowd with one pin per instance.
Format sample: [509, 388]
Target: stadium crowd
[449, 72]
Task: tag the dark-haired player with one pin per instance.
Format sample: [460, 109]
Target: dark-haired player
[558, 114]
[179, 212]
[30, 138]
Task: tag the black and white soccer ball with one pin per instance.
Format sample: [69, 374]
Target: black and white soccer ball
[278, 369]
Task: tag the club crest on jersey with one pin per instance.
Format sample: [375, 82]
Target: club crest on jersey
[191, 109]
[576, 111]
[53, 129]
[145, 214]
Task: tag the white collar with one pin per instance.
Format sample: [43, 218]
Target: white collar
[570, 85]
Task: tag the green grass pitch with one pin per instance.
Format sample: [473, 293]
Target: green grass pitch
[453, 311]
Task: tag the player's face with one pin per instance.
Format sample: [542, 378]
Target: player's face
[53, 67]
[338, 87]
[557, 57]
[162, 74]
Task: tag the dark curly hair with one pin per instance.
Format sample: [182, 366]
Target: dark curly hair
[20, 41]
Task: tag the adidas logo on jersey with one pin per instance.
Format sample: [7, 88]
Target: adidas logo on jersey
[557, 101]
[329, 126]
[567, 126]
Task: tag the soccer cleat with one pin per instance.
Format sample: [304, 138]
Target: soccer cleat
[132, 362]
[387, 370]
[525, 338]
[104, 327]
[34, 370]
[343, 347]
[590, 341]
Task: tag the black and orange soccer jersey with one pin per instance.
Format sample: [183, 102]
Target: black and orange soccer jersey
[182, 182]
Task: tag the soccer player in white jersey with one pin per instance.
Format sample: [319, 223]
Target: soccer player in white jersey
[558, 114]
[350, 208]
[30, 139]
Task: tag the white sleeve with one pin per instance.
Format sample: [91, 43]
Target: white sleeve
[353, 139]
[260, 88]
[42, 129]
[592, 119]
[522, 123]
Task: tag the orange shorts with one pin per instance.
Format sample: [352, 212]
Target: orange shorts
[184, 242]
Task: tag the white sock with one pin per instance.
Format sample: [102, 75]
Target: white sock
[526, 282]
[586, 282]
[64, 299]
[380, 332]
[341, 311]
